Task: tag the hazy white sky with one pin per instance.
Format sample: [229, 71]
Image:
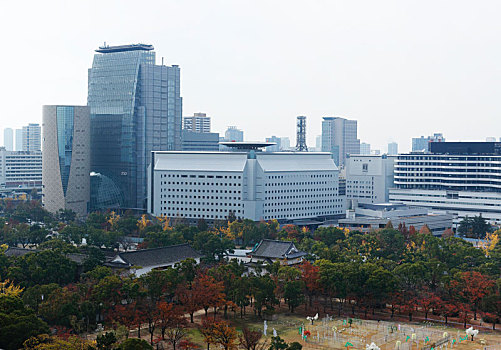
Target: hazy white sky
[401, 68]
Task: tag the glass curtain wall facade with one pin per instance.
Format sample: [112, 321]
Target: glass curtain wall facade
[65, 115]
[135, 108]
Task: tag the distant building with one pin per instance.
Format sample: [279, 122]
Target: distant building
[233, 134]
[339, 137]
[19, 169]
[285, 144]
[375, 152]
[19, 140]
[66, 158]
[420, 144]
[365, 148]
[367, 217]
[136, 107]
[8, 139]
[460, 178]
[274, 148]
[199, 122]
[490, 139]
[32, 138]
[140, 262]
[392, 148]
[368, 178]
[245, 182]
[269, 251]
[200, 141]
[318, 143]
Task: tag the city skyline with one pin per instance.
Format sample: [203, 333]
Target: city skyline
[374, 63]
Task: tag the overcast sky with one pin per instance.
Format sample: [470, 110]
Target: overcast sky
[401, 68]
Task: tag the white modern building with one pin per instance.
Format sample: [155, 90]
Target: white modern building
[368, 178]
[32, 138]
[251, 184]
[461, 178]
[20, 169]
[66, 158]
[199, 122]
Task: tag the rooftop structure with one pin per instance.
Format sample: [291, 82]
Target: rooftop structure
[123, 48]
[269, 251]
[246, 145]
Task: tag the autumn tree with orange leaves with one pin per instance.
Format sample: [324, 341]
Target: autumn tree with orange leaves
[311, 278]
[472, 287]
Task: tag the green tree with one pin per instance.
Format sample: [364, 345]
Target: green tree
[17, 323]
[293, 294]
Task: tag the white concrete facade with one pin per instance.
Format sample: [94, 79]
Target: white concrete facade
[252, 185]
[458, 184]
[369, 178]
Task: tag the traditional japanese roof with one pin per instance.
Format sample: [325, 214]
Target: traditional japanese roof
[272, 249]
[16, 251]
[155, 257]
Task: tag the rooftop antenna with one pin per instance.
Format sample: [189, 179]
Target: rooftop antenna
[301, 135]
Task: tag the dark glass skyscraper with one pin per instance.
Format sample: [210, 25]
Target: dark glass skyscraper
[135, 108]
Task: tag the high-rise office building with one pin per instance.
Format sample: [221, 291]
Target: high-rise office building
[339, 136]
[32, 138]
[8, 139]
[365, 148]
[66, 158]
[19, 140]
[392, 148]
[234, 134]
[420, 144]
[135, 107]
[200, 141]
[199, 122]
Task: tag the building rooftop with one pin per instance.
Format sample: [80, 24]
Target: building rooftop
[466, 148]
[247, 145]
[273, 249]
[123, 48]
[156, 256]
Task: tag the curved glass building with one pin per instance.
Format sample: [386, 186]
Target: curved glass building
[135, 108]
[66, 158]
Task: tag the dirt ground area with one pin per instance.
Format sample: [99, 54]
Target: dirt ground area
[328, 333]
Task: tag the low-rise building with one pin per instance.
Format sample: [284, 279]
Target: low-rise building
[366, 217]
[269, 251]
[140, 262]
